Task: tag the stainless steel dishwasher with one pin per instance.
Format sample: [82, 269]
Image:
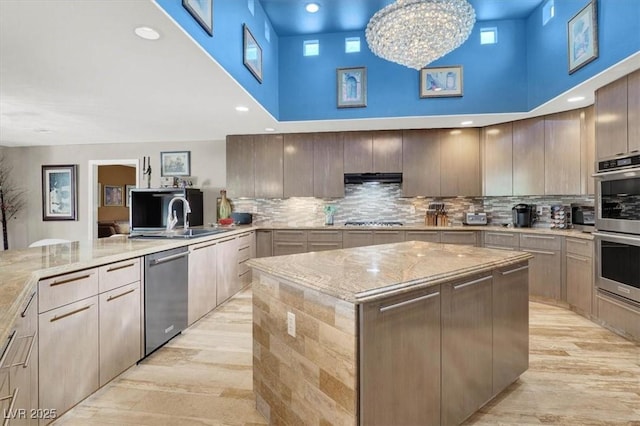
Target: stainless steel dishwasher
[165, 296]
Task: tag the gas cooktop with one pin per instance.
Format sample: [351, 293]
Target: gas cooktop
[373, 223]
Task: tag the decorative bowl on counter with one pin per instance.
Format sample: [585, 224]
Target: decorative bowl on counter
[227, 221]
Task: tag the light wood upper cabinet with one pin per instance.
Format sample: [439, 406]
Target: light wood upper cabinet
[387, 151]
[240, 166]
[633, 112]
[562, 153]
[528, 156]
[268, 150]
[611, 119]
[420, 163]
[298, 165]
[459, 162]
[328, 165]
[358, 152]
[497, 169]
[588, 143]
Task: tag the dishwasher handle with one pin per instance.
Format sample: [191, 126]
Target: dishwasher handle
[168, 258]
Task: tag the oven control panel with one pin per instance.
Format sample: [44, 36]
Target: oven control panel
[618, 163]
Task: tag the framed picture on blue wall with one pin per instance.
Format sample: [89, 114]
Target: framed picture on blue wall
[202, 12]
[252, 53]
[352, 87]
[438, 82]
[582, 35]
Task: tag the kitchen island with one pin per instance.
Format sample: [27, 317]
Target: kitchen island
[405, 333]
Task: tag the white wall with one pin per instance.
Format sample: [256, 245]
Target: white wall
[208, 164]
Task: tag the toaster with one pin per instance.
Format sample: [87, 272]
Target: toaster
[475, 218]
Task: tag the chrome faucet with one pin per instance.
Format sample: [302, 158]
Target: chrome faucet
[172, 218]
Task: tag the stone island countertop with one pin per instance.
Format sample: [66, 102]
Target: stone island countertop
[364, 274]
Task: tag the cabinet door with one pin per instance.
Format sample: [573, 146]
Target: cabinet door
[460, 162]
[459, 237]
[510, 325]
[226, 269]
[328, 165]
[264, 243]
[619, 315]
[545, 269]
[268, 152]
[528, 153]
[357, 238]
[240, 166]
[387, 151]
[281, 248]
[298, 165]
[120, 321]
[358, 152]
[633, 112]
[202, 280]
[388, 237]
[588, 137]
[420, 163]
[467, 348]
[427, 236]
[562, 153]
[580, 282]
[497, 158]
[611, 119]
[68, 352]
[324, 240]
[403, 332]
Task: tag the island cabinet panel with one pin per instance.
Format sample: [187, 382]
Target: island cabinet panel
[358, 152]
[528, 153]
[357, 238]
[387, 151]
[324, 240]
[240, 166]
[404, 332]
[202, 280]
[328, 165]
[497, 159]
[467, 347]
[264, 243]
[633, 111]
[298, 165]
[510, 325]
[563, 152]
[226, 269]
[460, 162]
[268, 153]
[611, 119]
[63, 289]
[420, 163]
[545, 269]
[427, 236]
[579, 274]
[118, 274]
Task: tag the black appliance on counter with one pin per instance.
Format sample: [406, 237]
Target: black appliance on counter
[148, 208]
[583, 217]
[524, 215]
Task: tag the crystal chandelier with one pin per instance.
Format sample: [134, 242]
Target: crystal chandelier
[415, 33]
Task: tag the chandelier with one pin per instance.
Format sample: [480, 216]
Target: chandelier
[415, 33]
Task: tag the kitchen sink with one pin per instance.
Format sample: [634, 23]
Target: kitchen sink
[177, 233]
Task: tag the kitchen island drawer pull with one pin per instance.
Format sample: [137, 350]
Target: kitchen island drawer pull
[13, 397]
[581, 259]
[70, 280]
[169, 258]
[474, 282]
[68, 314]
[110, 298]
[513, 271]
[539, 252]
[408, 302]
[115, 268]
[26, 308]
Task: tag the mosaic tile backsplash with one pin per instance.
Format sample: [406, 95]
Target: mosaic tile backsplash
[385, 202]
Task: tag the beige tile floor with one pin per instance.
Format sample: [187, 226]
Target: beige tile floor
[580, 374]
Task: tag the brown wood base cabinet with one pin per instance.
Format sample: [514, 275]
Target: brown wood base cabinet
[202, 280]
[545, 269]
[579, 274]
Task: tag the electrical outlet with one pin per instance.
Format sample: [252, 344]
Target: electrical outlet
[291, 324]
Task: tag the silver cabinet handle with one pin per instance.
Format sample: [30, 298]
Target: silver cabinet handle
[283, 243]
[409, 302]
[539, 237]
[68, 314]
[500, 234]
[619, 237]
[324, 244]
[538, 251]
[11, 339]
[34, 339]
[168, 258]
[467, 284]
[110, 298]
[70, 280]
[581, 259]
[13, 397]
[203, 247]
[513, 271]
[578, 241]
[115, 268]
[26, 308]
[459, 233]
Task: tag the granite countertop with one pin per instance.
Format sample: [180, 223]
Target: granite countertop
[365, 274]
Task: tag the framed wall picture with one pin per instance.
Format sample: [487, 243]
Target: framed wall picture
[351, 87]
[175, 163]
[59, 192]
[438, 82]
[582, 35]
[113, 196]
[252, 53]
[202, 12]
[127, 194]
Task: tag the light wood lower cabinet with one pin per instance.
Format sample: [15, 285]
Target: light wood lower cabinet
[119, 330]
[322, 240]
[246, 251]
[69, 354]
[622, 316]
[264, 243]
[579, 274]
[226, 269]
[388, 237]
[501, 240]
[289, 242]
[426, 236]
[545, 269]
[357, 238]
[459, 237]
[202, 280]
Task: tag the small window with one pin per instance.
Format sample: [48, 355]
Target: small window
[488, 35]
[548, 11]
[267, 32]
[252, 7]
[311, 48]
[352, 44]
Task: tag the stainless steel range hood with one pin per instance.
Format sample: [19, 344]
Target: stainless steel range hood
[359, 178]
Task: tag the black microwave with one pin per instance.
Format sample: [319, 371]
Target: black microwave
[148, 208]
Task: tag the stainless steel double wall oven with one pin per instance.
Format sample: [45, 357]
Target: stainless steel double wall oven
[618, 226]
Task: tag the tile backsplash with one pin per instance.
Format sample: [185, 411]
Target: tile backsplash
[385, 202]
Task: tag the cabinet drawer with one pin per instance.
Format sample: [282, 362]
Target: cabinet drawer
[461, 237]
[544, 242]
[244, 253]
[387, 237]
[245, 240]
[314, 246]
[284, 247]
[242, 267]
[619, 315]
[65, 289]
[580, 247]
[501, 239]
[325, 236]
[290, 236]
[119, 274]
[427, 236]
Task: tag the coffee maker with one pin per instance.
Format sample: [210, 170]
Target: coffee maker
[523, 215]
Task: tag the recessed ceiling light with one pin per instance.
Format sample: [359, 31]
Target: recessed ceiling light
[147, 33]
[242, 109]
[269, 129]
[312, 7]
[576, 99]
[466, 123]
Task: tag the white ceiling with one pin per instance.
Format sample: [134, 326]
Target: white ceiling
[73, 72]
